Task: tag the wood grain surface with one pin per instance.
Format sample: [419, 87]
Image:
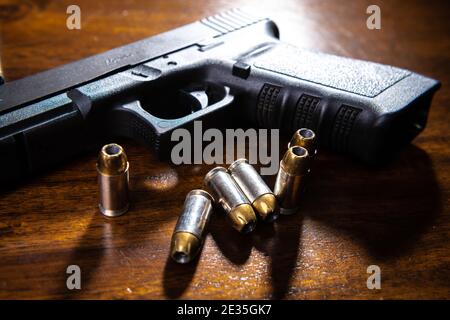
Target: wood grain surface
[396, 217]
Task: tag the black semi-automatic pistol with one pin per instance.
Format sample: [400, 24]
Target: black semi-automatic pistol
[231, 65]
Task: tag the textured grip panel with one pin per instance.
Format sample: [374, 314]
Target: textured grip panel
[141, 131]
[304, 112]
[122, 121]
[230, 20]
[266, 105]
[342, 127]
[360, 77]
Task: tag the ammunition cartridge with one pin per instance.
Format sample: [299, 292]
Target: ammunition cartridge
[255, 189]
[230, 197]
[190, 230]
[305, 138]
[113, 175]
[290, 179]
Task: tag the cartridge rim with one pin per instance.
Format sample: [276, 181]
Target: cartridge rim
[113, 213]
[237, 163]
[200, 192]
[213, 172]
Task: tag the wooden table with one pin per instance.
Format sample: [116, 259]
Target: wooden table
[396, 217]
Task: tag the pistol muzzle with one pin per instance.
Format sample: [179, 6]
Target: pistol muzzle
[290, 179]
[113, 176]
[190, 230]
[227, 193]
[255, 189]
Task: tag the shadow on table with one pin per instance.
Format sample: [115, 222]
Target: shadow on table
[177, 277]
[385, 209]
[237, 249]
[279, 241]
[87, 255]
[104, 236]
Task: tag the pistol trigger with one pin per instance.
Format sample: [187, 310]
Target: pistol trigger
[199, 99]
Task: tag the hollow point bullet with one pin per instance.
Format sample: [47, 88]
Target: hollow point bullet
[255, 189]
[190, 230]
[113, 176]
[290, 179]
[305, 138]
[230, 197]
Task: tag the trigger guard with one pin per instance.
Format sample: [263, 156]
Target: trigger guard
[133, 121]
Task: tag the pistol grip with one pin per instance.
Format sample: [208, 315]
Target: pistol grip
[363, 108]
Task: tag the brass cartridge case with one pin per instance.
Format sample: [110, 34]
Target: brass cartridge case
[290, 179]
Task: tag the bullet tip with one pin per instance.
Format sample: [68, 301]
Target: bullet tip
[295, 160]
[267, 207]
[185, 247]
[305, 138]
[243, 218]
[112, 159]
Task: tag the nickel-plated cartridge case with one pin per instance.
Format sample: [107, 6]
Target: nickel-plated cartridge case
[255, 189]
[230, 197]
[305, 138]
[113, 175]
[190, 230]
[290, 179]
